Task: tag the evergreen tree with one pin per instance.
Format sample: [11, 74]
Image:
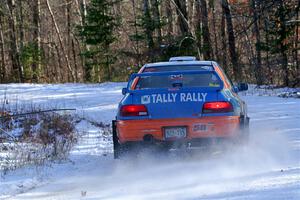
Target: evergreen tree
[280, 31]
[97, 34]
[148, 29]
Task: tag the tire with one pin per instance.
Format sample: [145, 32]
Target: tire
[119, 150]
[244, 131]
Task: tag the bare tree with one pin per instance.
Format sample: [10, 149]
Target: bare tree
[156, 19]
[43, 40]
[148, 28]
[20, 19]
[170, 21]
[267, 40]
[182, 17]
[282, 45]
[14, 51]
[215, 50]
[297, 46]
[206, 46]
[61, 41]
[231, 42]
[2, 49]
[258, 69]
[224, 42]
[37, 39]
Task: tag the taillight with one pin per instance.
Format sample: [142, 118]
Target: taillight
[217, 107]
[133, 110]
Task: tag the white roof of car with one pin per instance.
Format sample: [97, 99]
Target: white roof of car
[182, 58]
[174, 63]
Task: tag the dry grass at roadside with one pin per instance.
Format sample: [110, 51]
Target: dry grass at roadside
[33, 139]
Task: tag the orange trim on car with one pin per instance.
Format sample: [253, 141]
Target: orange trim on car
[135, 81]
[204, 127]
[226, 84]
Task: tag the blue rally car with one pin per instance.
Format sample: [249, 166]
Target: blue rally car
[181, 101]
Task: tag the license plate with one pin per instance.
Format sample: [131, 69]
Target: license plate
[175, 132]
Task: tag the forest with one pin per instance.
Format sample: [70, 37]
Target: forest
[59, 41]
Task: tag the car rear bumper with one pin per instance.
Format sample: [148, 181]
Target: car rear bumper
[215, 127]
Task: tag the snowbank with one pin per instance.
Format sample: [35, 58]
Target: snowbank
[269, 90]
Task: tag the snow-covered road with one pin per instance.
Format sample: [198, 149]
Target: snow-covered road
[268, 168]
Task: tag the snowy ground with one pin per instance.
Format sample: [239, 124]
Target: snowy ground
[269, 168]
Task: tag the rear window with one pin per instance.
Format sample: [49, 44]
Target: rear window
[184, 80]
[177, 68]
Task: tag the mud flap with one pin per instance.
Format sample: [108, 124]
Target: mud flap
[116, 145]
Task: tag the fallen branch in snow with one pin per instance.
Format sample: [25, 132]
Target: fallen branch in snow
[36, 112]
[97, 124]
[7, 133]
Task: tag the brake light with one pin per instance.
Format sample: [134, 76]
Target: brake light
[217, 107]
[134, 110]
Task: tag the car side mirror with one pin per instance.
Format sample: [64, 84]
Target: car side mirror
[124, 91]
[235, 89]
[242, 86]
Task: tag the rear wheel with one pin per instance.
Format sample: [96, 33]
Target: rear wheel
[120, 150]
[244, 131]
[116, 144]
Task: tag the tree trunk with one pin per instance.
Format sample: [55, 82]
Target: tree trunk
[85, 47]
[282, 47]
[182, 17]
[37, 40]
[169, 14]
[75, 60]
[191, 12]
[156, 17]
[267, 41]
[136, 32]
[69, 35]
[81, 13]
[2, 49]
[297, 47]
[237, 72]
[258, 69]
[198, 30]
[216, 46]
[14, 51]
[206, 48]
[21, 25]
[148, 30]
[84, 10]
[59, 68]
[61, 41]
[224, 43]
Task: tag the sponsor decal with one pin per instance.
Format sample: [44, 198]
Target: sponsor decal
[203, 127]
[174, 97]
[200, 128]
[146, 99]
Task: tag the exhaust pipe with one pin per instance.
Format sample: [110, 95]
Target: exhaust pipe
[148, 138]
